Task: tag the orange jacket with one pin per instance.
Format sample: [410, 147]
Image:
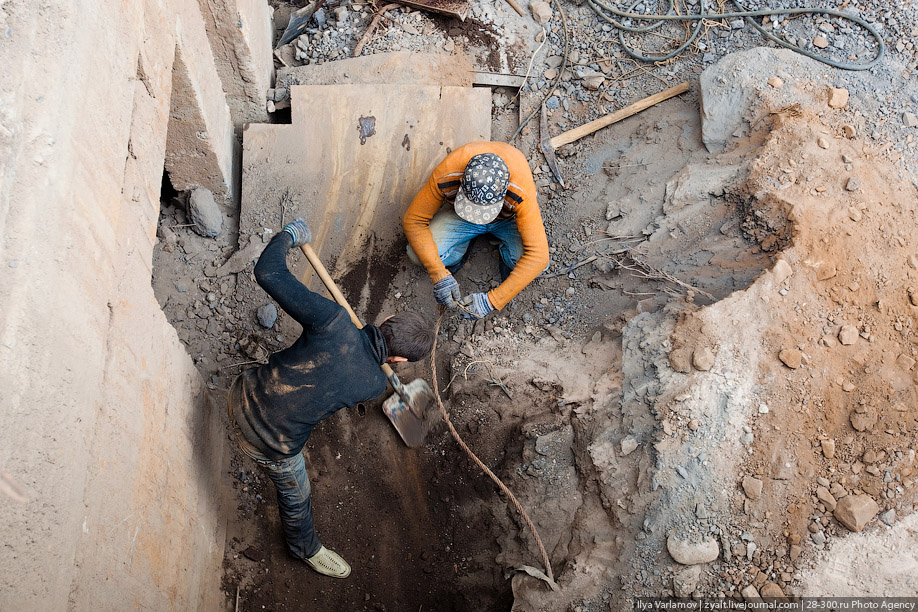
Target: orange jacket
[519, 201]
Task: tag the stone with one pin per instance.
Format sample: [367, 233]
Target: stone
[689, 552]
[792, 358]
[913, 263]
[905, 362]
[818, 537]
[913, 296]
[686, 581]
[703, 359]
[593, 83]
[770, 590]
[776, 82]
[862, 421]
[889, 517]
[828, 448]
[826, 498]
[680, 360]
[750, 593]
[795, 551]
[848, 335]
[838, 97]
[541, 12]
[752, 487]
[823, 142]
[782, 271]
[204, 214]
[849, 131]
[628, 445]
[267, 315]
[909, 120]
[820, 42]
[852, 184]
[855, 511]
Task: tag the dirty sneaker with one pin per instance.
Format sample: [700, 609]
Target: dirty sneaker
[329, 563]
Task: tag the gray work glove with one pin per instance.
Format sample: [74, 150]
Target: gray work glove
[475, 306]
[299, 231]
[446, 291]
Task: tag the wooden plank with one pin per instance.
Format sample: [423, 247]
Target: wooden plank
[633, 109]
[353, 193]
[493, 79]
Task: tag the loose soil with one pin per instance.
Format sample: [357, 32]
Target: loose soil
[685, 338]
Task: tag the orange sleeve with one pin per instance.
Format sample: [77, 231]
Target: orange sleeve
[416, 222]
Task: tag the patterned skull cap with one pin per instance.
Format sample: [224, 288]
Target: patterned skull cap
[484, 185]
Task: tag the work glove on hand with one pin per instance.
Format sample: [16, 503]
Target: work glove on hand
[300, 232]
[446, 291]
[477, 304]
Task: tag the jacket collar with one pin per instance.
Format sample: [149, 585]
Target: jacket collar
[377, 343]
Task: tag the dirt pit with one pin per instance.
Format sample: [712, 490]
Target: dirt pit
[721, 352]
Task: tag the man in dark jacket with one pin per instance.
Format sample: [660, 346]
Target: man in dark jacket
[275, 406]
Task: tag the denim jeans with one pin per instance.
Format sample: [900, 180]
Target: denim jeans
[453, 235]
[293, 498]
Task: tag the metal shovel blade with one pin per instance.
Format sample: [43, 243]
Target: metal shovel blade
[412, 420]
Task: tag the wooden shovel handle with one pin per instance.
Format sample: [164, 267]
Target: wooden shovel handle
[623, 113]
[329, 283]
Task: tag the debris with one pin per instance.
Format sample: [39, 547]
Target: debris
[848, 335]
[267, 315]
[913, 296]
[862, 421]
[770, 590]
[688, 552]
[838, 97]
[855, 511]
[822, 142]
[889, 517]
[371, 28]
[203, 212]
[828, 448]
[541, 12]
[750, 593]
[628, 446]
[703, 359]
[776, 82]
[826, 498]
[240, 260]
[820, 42]
[792, 358]
[849, 131]
[782, 271]
[909, 120]
[686, 581]
[853, 184]
[752, 487]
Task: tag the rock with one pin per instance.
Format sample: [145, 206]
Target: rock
[680, 360]
[688, 552]
[776, 82]
[913, 296]
[792, 358]
[855, 511]
[628, 446]
[204, 213]
[820, 42]
[686, 581]
[550, 74]
[838, 97]
[782, 271]
[853, 184]
[849, 131]
[795, 551]
[862, 421]
[848, 335]
[909, 120]
[267, 315]
[750, 593]
[594, 82]
[889, 517]
[752, 487]
[770, 590]
[913, 263]
[828, 448]
[541, 12]
[818, 537]
[826, 498]
[703, 359]
[823, 142]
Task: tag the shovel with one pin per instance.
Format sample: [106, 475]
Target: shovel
[407, 408]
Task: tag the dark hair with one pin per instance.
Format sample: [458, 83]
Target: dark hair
[407, 335]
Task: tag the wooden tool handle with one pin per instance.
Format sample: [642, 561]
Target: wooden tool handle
[633, 109]
[329, 283]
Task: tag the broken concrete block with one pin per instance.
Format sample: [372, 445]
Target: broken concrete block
[855, 511]
[204, 213]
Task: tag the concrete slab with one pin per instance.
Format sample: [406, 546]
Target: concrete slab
[352, 185]
[385, 69]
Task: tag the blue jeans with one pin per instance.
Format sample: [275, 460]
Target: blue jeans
[293, 499]
[453, 235]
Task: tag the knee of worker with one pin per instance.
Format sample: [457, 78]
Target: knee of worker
[413, 257]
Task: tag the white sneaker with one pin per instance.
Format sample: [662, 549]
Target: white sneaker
[329, 563]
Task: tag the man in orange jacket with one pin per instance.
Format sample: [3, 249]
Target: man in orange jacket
[491, 191]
